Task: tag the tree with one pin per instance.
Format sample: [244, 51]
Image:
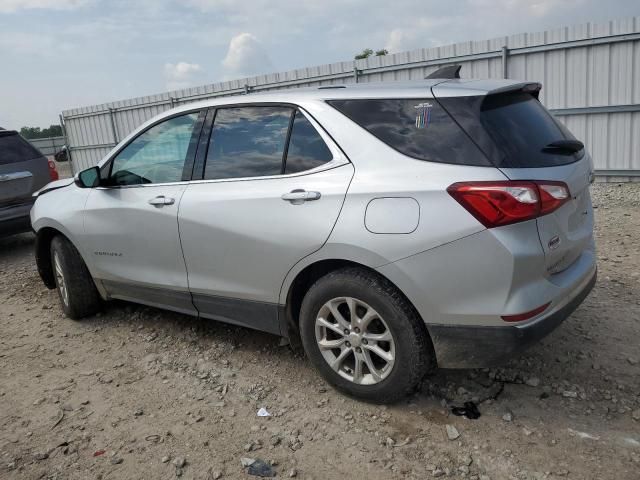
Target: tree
[367, 52]
[37, 132]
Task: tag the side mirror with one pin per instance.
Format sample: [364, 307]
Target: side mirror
[89, 178]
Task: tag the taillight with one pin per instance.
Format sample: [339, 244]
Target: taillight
[552, 196]
[495, 204]
[53, 173]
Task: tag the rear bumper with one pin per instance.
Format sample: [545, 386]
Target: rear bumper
[471, 346]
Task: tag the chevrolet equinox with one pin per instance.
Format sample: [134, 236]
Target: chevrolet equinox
[391, 228]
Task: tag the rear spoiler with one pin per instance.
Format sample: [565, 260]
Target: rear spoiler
[532, 88]
[452, 72]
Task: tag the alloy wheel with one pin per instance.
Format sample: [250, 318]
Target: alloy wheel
[62, 286]
[355, 340]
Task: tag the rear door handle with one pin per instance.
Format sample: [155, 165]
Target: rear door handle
[298, 196]
[161, 200]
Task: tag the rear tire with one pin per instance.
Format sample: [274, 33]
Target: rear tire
[76, 289]
[383, 354]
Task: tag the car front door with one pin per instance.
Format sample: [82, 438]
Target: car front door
[271, 191]
[131, 219]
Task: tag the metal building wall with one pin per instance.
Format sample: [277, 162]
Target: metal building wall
[48, 145]
[590, 75]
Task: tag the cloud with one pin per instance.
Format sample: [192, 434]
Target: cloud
[10, 6]
[181, 75]
[245, 57]
[537, 8]
[104, 50]
[41, 45]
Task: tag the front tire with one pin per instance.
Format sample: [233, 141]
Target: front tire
[364, 337]
[76, 289]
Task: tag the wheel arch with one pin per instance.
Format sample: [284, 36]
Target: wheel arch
[306, 277]
[44, 236]
[45, 233]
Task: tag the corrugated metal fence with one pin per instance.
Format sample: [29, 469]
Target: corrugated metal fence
[48, 145]
[590, 75]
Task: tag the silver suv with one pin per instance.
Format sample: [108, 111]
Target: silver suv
[391, 228]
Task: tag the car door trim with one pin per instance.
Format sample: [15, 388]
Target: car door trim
[252, 314]
[194, 144]
[142, 185]
[327, 166]
[262, 316]
[169, 299]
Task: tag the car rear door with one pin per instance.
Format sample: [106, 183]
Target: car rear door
[131, 220]
[272, 187]
[23, 169]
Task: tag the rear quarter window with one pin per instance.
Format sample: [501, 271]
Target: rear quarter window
[14, 149]
[418, 128]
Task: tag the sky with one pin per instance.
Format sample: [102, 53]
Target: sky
[61, 54]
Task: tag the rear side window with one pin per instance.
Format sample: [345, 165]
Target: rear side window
[419, 128]
[521, 129]
[14, 148]
[247, 142]
[307, 149]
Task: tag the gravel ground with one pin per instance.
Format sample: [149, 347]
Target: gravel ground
[136, 392]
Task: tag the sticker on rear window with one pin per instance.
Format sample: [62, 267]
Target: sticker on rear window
[423, 116]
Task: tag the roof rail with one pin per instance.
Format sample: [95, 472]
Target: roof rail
[450, 71]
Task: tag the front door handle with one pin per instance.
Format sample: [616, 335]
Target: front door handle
[161, 200]
[299, 196]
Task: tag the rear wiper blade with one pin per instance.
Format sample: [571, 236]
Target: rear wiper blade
[564, 146]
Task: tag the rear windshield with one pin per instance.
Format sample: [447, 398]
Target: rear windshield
[419, 128]
[522, 128]
[513, 129]
[14, 148]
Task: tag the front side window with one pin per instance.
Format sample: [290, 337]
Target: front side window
[247, 142]
[156, 156]
[307, 149]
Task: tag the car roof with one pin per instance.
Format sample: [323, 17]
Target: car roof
[405, 89]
